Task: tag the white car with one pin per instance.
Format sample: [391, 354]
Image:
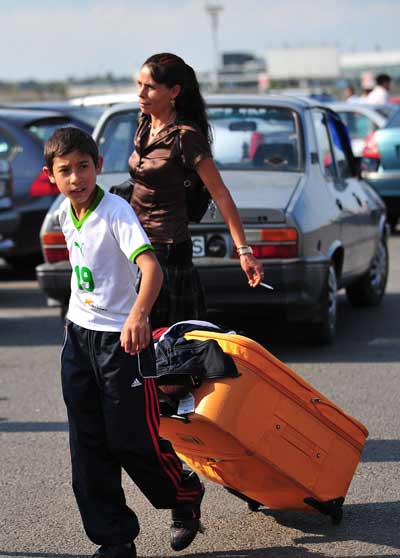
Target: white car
[361, 120]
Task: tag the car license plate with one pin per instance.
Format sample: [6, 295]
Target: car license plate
[199, 246]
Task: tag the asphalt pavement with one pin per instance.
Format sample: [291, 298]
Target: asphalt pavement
[360, 372]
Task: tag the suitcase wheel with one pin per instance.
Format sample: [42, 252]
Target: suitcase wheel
[337, 516]
[251, 504]
[333, 508]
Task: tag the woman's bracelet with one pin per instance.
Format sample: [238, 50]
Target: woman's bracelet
[245, 249]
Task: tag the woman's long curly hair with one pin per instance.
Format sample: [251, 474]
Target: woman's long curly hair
[170, 70]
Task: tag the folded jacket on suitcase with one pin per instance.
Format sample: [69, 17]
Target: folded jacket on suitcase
[266, 434]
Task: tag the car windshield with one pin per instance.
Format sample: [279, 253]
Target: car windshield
[116, 141]
[90, 115]
[358, 125]
[255, 138]
[43, 129]
[245, 138]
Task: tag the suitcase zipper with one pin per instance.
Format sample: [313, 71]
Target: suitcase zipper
[314, 400]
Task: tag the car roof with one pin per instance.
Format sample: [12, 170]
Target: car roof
[349, 106]
[370, 111]
[296, 103]
[24, 116]
[106, 99]
[39, 105]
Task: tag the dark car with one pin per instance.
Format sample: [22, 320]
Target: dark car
[314, 224]
[381, 165]
[22, 134]
[8, 216]
[85, 116]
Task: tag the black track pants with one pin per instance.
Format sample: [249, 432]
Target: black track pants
[113, 415]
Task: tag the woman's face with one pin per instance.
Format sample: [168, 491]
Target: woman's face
[154, 98]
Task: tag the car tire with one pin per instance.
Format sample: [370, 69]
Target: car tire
[369, 290]
[323, 331]
[24, 263]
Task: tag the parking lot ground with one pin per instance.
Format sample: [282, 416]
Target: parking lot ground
[360, 372]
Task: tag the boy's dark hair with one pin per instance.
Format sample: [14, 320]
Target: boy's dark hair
[66, 140]
[381, 79]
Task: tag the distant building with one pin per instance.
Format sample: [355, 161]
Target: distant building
[303, 63]
[238, 71]
[354, 64]
[310, 69]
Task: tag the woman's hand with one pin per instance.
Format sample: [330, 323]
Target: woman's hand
[252, 268]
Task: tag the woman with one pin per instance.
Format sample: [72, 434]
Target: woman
[172, 106]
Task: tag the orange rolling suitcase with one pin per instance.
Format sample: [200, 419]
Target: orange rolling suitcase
[267, 435]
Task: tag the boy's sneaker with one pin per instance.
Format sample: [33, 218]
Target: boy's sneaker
[116, 551]
[186, 518]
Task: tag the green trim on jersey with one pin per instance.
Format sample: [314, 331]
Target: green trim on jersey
[139, 251]
[97, 199]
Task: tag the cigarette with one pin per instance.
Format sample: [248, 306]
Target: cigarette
[266, 286]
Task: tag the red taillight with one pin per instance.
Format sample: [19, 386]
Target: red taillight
[275, 243]
[275, 251]
[371, 149]
[53, 255]
[54, 247]
[42, 186]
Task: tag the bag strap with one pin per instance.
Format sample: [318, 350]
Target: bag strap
[181, 127]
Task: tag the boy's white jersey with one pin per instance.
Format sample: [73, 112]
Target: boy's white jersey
[102, 246]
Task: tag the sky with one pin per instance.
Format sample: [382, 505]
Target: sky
[50, 40]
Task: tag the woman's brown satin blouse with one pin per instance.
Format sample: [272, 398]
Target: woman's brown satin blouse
[158, 171]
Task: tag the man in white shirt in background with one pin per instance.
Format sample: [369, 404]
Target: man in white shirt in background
[380, 93]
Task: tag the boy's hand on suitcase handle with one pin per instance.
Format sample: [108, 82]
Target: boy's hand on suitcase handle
[135, 335]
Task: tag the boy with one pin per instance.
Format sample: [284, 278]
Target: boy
[107, 361]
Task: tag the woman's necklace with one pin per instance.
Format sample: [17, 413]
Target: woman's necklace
[155, 131]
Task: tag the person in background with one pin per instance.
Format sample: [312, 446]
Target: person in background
[380, 93]
[364, 94]
[172, 106]
[350, 95]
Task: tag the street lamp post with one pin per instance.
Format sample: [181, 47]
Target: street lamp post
[214, 10]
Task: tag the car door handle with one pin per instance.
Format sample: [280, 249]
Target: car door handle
[357, 199]
[339, 204]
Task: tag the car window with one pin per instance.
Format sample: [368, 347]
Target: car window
[342, 164]
[323, 144]
[394, 122]
[116, 141]
[258, 138]
[7, 145]
[43, 129]
[90, 115]
[357, 124]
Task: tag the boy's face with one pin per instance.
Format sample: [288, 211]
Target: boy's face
[75, 176]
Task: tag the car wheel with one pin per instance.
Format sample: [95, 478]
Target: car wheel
[369, 290]
[323, 332]
[24, 263]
